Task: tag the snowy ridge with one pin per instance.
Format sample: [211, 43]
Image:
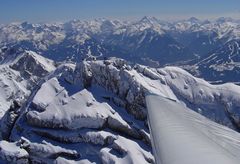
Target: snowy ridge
[18, 78]
[12, 87]
[147, 41]
[11, 152]
[26, 61]
[147, 38]
[132, 84]
[95, 111]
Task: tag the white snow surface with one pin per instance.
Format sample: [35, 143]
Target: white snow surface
[12, 87]
[48, 65]
[99, 106]
[44, 35]
[12, 153]
[74, 112]
[217, 102]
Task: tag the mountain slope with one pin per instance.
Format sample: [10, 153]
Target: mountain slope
[101, 105]
[222, 64]
[18, 78]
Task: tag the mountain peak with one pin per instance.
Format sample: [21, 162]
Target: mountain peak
[26, 25]
[149, 19]
[224, 19]
[33, 63]
[193, 20]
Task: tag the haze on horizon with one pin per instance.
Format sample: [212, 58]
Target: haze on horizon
[64, 10]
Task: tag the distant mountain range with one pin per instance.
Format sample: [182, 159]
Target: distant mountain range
[208, 49]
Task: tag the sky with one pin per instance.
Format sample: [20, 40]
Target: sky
[64, 10]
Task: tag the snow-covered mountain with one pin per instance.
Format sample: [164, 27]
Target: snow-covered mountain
[147, 41]
[64, 98]
[95, 111]
[222, 65]
[19, 74]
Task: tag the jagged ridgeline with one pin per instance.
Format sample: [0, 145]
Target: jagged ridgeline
[208, 49]
[95, 111]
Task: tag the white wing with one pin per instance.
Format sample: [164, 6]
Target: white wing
[181, 136]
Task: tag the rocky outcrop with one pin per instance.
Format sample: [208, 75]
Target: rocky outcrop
[9, 119]
[46, 150]
[97, 111]
[71, 114]
[117, 77]
[11, 153]
[80, 110]
[24, 151]
[130, 84]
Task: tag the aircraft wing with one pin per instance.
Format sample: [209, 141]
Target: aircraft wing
[182, 136]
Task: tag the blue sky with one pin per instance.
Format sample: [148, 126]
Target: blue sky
[63, 10]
